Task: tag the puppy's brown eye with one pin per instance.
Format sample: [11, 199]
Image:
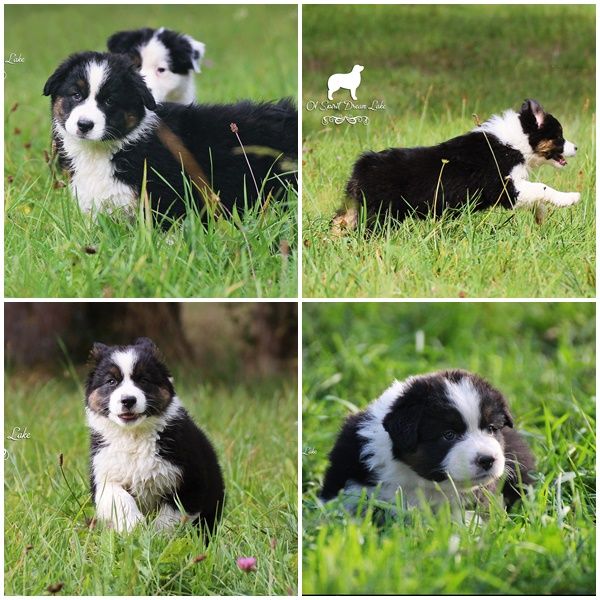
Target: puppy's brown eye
[111, 381]
[449, 435]
[108, 102]
[161, 69]
[76, 96]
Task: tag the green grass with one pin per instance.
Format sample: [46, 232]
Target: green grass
[434, 67]
[46, 538]
[46, 236]
[542, 356]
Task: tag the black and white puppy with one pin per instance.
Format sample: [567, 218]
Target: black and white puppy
[110, 134]
[147, 455]
[167, 61]
[488, 167]
[429, 437]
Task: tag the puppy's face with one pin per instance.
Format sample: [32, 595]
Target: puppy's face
[128, 384]
[450, 426]
[164, 58]
[98, 97]
[545, 136]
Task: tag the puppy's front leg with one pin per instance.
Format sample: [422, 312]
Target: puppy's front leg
[529, 192]
[168, 517]
[116, 506]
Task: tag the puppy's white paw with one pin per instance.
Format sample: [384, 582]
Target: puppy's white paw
[568, 198]
[125, 523]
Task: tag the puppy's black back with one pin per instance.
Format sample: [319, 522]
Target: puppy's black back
[201, 490]
[268, 132]
[427, 180]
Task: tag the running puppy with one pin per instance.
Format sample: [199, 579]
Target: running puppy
[147, 455]
[110, 134]
[488, 166]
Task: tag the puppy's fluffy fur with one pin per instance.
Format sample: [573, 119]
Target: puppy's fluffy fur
[147, 455]
[488, 167]
[426, 438]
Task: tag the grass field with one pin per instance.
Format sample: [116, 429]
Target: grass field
[542, 356]
[47, 541]
[434, 67]
[51, 250]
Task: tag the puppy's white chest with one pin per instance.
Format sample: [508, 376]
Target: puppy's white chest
[134, 464]
[93, 181]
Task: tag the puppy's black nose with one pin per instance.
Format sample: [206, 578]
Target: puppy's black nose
[485, 461]
[128, 402]
[85, 125]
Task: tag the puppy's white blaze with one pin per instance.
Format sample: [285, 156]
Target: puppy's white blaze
[569, 149]
[466, 400]
[88, 110]
[126, 360]
[508, 129]
[460, 462]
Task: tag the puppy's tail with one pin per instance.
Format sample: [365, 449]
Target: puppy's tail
[346, 217]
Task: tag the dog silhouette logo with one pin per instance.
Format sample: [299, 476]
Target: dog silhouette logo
[348, 81]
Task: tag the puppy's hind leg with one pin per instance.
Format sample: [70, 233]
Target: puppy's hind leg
[346, 218]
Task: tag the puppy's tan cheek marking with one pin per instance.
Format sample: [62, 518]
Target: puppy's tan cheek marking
[165, 396]
[545, 147]
[95, 401]
[58, 110]
[131, 120]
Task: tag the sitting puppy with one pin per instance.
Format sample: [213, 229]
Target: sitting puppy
[488, 167]
[114, 140]
[167, 61]
[147, 455]
[429, 437]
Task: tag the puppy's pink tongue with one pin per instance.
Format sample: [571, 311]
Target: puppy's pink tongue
[562, 161]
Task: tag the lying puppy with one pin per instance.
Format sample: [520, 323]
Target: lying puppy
[147, 455]
[167, 61]
[110, 134]
[488, 166]
[429, 437]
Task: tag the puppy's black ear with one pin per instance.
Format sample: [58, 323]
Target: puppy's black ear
[533, 112]
[402, 425]
[98, 352]
[508, 419]
[143, 91]
[57, 78]
[123, 42]
[147, 344]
